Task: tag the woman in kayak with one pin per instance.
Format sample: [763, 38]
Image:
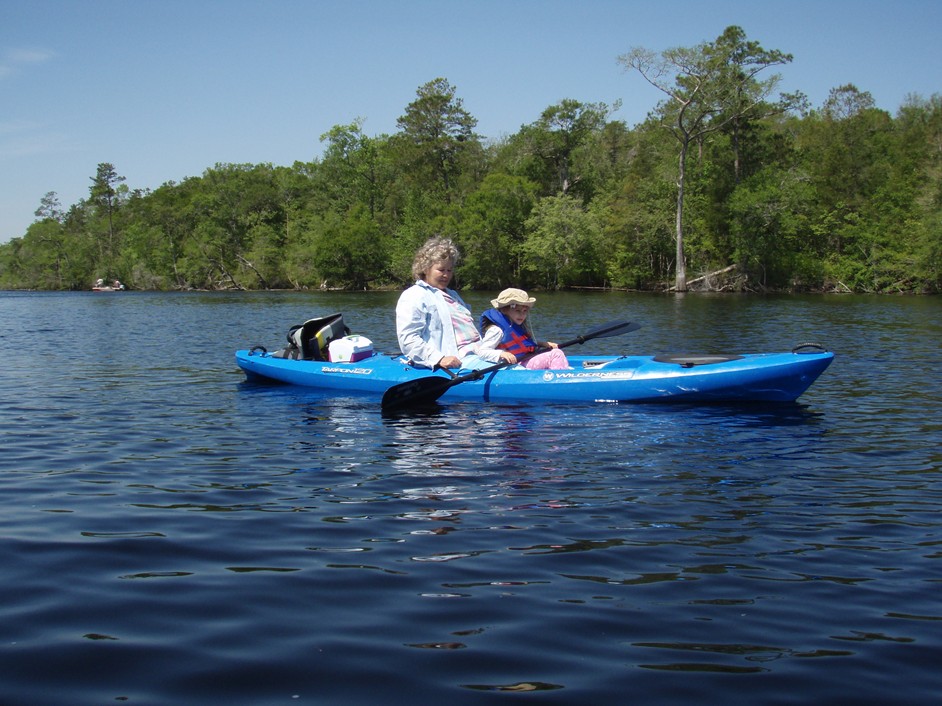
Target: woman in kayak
[507, 327]
[433, 324]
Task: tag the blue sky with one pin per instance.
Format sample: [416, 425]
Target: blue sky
[164, 89]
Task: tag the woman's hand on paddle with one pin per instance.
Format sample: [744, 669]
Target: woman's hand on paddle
[508, 357]
[449, 361]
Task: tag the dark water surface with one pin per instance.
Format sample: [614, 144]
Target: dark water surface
[171, 534]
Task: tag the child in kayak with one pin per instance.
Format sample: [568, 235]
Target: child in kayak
[506, 327]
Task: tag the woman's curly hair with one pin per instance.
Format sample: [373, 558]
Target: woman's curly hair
[435, 250]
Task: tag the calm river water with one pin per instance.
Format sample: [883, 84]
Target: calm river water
[171, 534]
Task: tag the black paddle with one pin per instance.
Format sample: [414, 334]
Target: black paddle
[423, 391]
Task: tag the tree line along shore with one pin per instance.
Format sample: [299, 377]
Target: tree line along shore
[727, 185]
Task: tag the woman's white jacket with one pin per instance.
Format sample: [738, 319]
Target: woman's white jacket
[423, 324]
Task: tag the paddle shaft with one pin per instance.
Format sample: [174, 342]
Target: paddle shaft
[611, 329]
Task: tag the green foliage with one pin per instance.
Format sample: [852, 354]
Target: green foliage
[637, 233]
[764, 194]
[563, 247]
[769, 211]
[492, 231]
[554, 149]
[347, 250]
[437, 139]
[709, 88]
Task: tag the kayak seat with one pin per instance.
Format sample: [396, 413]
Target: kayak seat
[309, 341]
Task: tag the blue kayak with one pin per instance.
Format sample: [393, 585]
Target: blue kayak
[751, 377]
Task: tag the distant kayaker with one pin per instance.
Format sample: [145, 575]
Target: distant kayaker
[507, 327]
[434, 326]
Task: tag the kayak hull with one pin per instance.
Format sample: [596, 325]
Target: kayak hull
[756, 377]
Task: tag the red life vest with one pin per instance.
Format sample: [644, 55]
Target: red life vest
[515, 338]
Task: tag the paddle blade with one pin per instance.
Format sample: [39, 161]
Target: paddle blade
[414, 393]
